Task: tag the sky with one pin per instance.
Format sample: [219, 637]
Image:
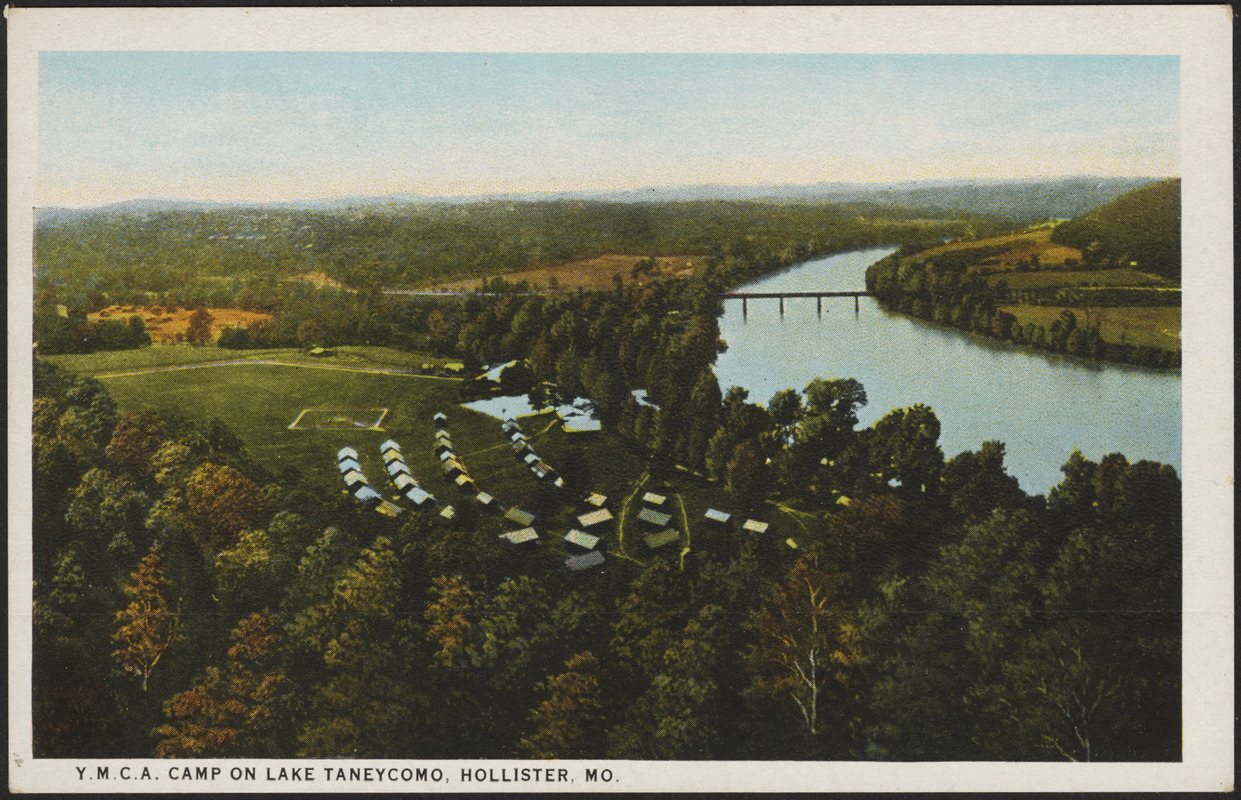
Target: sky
[262, 126]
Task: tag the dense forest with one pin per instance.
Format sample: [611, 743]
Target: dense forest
[190, 604]
[1126, 255]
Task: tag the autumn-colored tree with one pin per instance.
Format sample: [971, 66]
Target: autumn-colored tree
[807, 642]
[199, 329]
[451, 618]
[135, 441]
[568, 723]
[239, 710]
[220, 502]
[147, 627]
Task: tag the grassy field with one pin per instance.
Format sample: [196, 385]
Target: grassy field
[259, 401]
[589, 273]
[182, 355]
[1102, 277]
[1147, 326]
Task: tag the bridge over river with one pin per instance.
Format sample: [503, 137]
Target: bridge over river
[746, 296]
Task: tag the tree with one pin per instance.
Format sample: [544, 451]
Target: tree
[240, 710]
[807, 646]
[107, 515]
[679, 715]
[977, 483]
[568, 724]
[199, 329]
[786, 410]
[147, 627]
[135, 440]
[904, 448]
[748, 475]
[355, 711]
[220, 502]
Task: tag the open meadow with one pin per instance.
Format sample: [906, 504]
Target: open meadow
[1140, 326]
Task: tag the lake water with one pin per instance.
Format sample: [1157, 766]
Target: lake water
[1040, 405]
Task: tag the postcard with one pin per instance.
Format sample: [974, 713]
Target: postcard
[736, 399]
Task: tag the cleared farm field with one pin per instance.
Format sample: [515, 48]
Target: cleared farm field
[1016, 248]
[589, 273]
[1102, 277]
[167, 326]
[1145, 326]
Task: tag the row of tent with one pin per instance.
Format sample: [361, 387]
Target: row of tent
[524, 452]
[355, 481]
[394, 462]
[455, 471]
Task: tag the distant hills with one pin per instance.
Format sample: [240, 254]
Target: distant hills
[1022, 201]
[1141, 227]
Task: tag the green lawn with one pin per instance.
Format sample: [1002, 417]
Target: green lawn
[181, 355]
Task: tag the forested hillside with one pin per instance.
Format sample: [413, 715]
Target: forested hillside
[1141, 229]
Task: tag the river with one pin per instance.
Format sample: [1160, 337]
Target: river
[1040, 405]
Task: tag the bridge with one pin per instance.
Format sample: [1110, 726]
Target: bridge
[745, 297]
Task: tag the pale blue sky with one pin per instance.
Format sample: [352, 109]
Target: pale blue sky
[270, 125]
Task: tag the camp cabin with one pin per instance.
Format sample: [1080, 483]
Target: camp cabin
[654, 500]
[657, 540]
[595, 499]
[526, 537]
[595, 518]
[519, 516]
[439, 421]
[347, 452]
[656, 518]
[583, 562]
[449, 512]
[389, 445]
[420, 496]
[486, 500]
[754, 526]
[581, 540]
[349, 465]
[718, 517]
